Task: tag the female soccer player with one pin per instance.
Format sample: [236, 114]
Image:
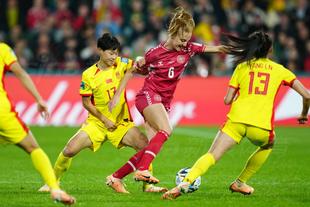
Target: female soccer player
[13, 130]
[251, 93]
[165, 64]
[98, 85]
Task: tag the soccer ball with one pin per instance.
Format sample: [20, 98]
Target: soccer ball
[182, 174]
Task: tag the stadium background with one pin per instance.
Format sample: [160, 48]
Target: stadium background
[56, 37]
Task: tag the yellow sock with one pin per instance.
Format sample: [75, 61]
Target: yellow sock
[43, 165]
[146, 185]
[255, 161]
[62, 164]
[200, 167]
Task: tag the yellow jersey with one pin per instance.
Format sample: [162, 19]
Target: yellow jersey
[101, 86]
[7, 58]
[258, 83]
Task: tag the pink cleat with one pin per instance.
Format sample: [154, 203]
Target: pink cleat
[62, 197]
[145, 176]
[116, 184]
[240, 187]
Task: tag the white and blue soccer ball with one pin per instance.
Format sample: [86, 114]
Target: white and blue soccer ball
[182, 174]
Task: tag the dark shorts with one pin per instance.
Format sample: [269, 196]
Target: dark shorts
[146, 98]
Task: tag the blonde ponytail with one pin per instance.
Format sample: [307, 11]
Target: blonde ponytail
[181, 20]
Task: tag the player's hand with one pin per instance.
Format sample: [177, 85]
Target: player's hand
[113, 102]
[139, 63]
[110, 125]
[42, 109]
[302, 119]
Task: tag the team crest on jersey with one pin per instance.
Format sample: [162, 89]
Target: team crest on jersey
[180, 59]
[157, 97]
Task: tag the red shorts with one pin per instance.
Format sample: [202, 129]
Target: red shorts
[146, 98]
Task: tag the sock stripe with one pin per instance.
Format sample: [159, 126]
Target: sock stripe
[132, 165]
[164, 133]
[150, 152]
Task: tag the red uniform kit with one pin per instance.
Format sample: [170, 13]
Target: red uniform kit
[166, 67]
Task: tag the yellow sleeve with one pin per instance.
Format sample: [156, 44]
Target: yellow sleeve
[9, 56]
[128, 63]
[288, 77]
[234, 82]
[85, 86]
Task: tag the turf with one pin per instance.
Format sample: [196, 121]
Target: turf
[284, 180]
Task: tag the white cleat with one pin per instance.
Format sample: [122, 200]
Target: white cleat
[45, 189]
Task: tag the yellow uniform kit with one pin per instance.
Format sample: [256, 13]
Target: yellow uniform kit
[101, 85]
[12, 129]
[257, 83]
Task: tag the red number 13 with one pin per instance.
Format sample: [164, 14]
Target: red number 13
[263, 79]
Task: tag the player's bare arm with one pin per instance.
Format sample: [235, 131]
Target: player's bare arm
[219, 48]
[230, 95]
[128, 75]
[139, 62]
[299, 87]
[95, 112]
[25, 79]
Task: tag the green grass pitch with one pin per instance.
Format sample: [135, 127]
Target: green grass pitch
[284, 180]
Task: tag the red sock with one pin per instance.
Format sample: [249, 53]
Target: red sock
[152, 149]
[130, 166]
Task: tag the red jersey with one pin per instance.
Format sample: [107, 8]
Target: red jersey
[165, 69]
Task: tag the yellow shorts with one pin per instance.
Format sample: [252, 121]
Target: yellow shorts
[12, 128]
[98, 134]
[256, 135]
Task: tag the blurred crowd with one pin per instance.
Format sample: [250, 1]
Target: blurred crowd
[59, 36]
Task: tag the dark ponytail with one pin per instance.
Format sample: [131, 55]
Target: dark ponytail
[255, 46]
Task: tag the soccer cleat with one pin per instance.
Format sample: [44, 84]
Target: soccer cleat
[176, 191]
[62, 197]
[45, 188]
[145, 176]
[240, 187]
[149, 188]
[116, 184]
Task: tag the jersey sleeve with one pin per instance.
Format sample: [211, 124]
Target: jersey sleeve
[85, 86]
[195, 47]
[129, 64]
[9, 56]
[288, 77]
[234, 81]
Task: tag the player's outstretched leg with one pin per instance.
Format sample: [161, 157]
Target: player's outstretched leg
[116, 184]
[62, 164]
[254, 163]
